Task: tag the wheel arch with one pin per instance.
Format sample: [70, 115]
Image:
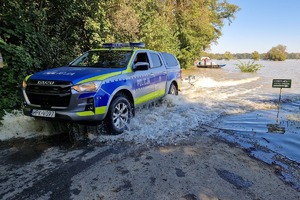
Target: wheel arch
[113, 119]
[127, 94]
[175, 83]
[170, 83]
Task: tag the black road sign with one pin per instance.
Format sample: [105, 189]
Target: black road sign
[282, 83]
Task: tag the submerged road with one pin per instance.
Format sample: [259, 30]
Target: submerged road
[202, 167]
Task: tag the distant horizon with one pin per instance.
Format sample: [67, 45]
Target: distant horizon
[260, 26]
[253, 51]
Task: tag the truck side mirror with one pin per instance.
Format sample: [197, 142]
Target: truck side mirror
[140, 66]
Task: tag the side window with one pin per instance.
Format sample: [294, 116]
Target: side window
[141, 57]
[170, 60]
[156, 60]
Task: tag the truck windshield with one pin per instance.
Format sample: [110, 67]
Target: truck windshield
[103, 59]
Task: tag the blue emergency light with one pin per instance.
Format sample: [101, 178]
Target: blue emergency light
[120, 45]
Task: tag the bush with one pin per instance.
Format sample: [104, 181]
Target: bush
[249, 66]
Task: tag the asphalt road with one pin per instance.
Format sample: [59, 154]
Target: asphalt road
[201, 168]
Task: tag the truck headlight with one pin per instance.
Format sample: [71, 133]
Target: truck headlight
[87, 87]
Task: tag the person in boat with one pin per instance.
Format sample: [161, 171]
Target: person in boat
[205, 61]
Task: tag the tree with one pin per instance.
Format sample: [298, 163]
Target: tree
[242, 56]
[255, 55]
[37, 35]
[157, 26]
[199, 23]
[277, 53]
[228, 55]
[41, 34]
[293, 56]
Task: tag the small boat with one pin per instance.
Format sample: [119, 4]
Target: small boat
[206, 62]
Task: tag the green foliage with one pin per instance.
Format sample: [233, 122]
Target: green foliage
[250, 56]
[199, 23]
[242, 56]
[255, 55]
[154, 31]
[37, 35]
[249, 66]
[11, 76]
[228, 56]
[277, 53]
[293, 56]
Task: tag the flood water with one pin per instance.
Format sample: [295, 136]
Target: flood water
[255, 105]
[242, 105]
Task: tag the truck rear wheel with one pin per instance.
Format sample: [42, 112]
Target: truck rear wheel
[173, 89]
[118, 116]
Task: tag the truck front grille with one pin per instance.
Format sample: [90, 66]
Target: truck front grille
[49, 93]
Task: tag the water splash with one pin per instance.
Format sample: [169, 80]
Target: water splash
[209, 82]
[16, 125]
[200, 101]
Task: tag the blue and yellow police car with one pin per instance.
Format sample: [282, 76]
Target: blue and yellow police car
[102, 86]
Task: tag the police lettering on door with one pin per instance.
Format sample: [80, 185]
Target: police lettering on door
[143, 82]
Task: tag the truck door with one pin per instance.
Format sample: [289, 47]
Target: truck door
[159, 72]
[143, 79]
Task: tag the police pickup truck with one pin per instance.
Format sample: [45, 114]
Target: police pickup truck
[102, 86]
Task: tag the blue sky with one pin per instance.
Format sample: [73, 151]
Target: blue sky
[261, 25]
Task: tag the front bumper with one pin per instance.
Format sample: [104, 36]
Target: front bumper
[86, 117]
[87, 108]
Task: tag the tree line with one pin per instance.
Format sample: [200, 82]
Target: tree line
[41, 34]
[277, 53]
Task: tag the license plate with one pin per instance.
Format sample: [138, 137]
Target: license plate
[43, 113]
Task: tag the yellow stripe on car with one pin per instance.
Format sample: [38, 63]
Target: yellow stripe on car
[150, 96]
[27, 77]
[98, 111]
[85, 113]
[100, 78]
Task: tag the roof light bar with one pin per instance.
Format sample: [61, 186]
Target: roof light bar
[120, 45]
[137, 44]
[112, 45]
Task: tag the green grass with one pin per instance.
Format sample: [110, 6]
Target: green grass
[249, 66]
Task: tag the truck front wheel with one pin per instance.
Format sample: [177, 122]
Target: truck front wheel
[118, 116]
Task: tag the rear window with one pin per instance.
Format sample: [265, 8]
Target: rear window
[155, 59]
[170, 60]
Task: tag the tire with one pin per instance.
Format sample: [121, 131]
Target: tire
[173, 89]
[118, 116]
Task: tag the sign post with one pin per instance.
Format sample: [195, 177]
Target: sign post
[279, 83]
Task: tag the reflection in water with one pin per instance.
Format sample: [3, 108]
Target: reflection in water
[275, 128]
